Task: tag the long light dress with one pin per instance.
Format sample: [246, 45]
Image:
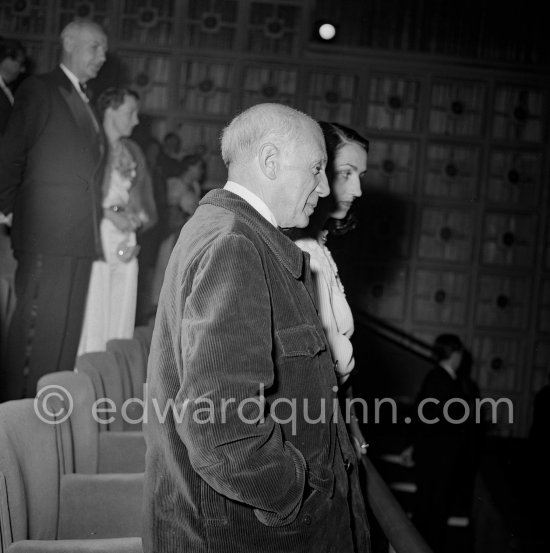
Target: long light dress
[112, 293]
[334, 310]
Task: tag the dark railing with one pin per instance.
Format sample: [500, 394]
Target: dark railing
[394, 334]
[398, 529]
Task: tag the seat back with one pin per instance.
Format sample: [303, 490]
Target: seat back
[144, 334]
[30, 468]
[86, 449]
[109, 382]
[133, 364]
[130, 356]
[79, 432]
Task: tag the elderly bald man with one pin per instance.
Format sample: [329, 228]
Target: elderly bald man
[246, 448]
[51, 166]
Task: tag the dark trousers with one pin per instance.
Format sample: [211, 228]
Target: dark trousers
[437, 468]
[45, 329]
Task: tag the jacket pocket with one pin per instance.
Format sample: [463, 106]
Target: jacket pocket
[213, 506]
[301, 340]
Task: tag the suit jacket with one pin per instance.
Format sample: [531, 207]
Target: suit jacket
[236, 314]
[5, 110]
[51, 166]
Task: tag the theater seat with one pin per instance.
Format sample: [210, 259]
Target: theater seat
[88, 444]
[144, 334]
[112, 378]
[131, 359]
[44, 507]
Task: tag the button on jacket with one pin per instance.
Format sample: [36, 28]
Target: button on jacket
[236, 326]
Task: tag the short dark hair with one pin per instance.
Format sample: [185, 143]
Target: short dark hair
[445, 345]
[11, 48]
[113, 98]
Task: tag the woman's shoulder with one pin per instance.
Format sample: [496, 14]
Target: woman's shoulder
[307, 244]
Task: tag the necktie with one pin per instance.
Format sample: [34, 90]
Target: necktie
[85, 90]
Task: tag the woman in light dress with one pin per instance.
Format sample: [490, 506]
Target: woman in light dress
[346, 164]
[128, 207]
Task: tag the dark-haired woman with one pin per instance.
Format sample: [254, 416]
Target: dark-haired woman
[347, 153]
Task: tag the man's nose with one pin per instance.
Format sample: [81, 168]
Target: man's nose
[323, 189]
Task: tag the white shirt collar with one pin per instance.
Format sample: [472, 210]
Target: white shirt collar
[448, 369]
[76, 83]
[257, 203]
[6, 90]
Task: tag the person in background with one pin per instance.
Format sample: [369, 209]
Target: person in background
[51, 166]
[347, 153]
[128, 206]
[237, 334]
[163, 159]
[12, 65]
[183, 195]
[444, 452]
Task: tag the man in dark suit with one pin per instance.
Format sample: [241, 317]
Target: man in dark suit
[51, 164]
[12, 64]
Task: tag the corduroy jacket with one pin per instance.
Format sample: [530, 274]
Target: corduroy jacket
[247, 450]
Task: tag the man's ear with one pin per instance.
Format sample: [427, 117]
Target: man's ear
[268, 158]
[68, 43]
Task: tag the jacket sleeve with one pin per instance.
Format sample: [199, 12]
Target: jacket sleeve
[27, 120]
[233, 442]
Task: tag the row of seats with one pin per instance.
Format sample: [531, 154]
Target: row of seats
[76, 485]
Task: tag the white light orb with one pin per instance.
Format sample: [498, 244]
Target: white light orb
[327, 31]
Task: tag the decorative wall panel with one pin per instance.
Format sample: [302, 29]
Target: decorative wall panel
[514, 178]
[457, 108]
[502, 301]
[440, 297]
[386, 226]
[332, 96]
[265, 83]
[148, 22]
[67, 10]
[150, 75]
[206, 86]
[211, 24]
[28, 17]
[518, 114]
[386, 299]
[451, 172]
[446, 234]
[508, 239]
[392, 166]
[274, 28]
[498, 362]
[393, 103]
